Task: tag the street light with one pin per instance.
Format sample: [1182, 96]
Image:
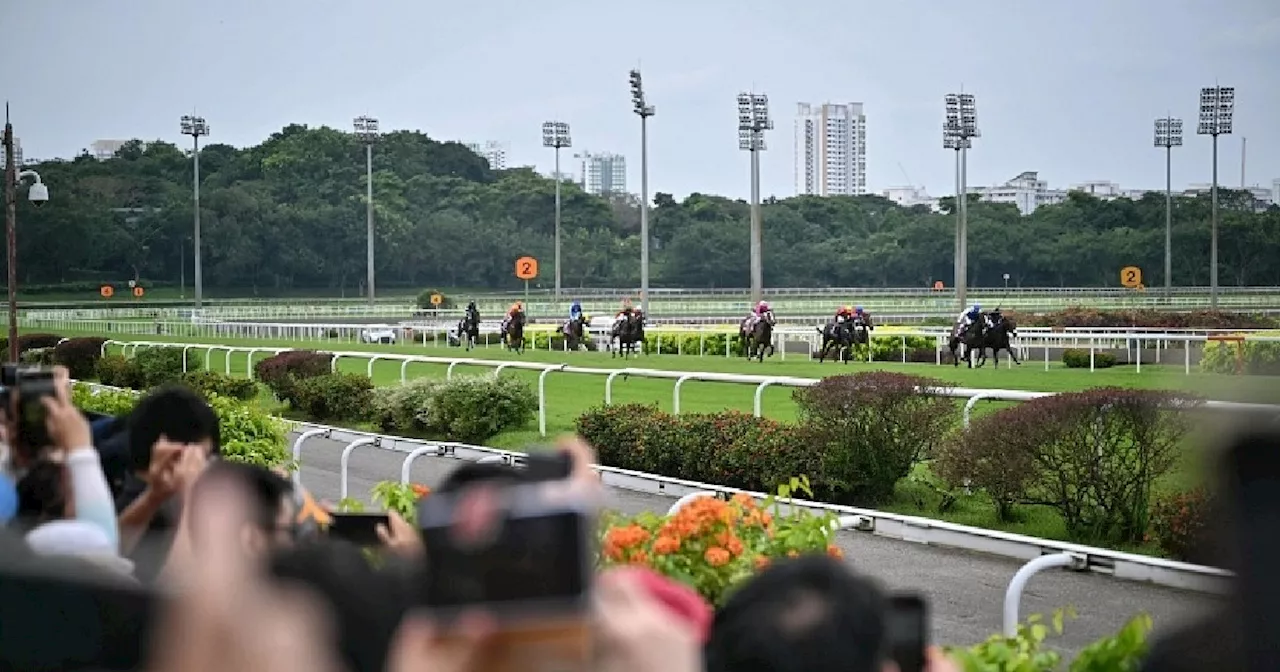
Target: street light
[753, 121]
[366, 129]
[1168, 136]
[642, 109]
[39, 195]
[1216, 106]
[196, 127]
[958, 132]
[555, 134]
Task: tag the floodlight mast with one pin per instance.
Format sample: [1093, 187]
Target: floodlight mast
[1168, 136]
[641, 107]
[958, 131]
[366, 130]
[555, 134]
[1217, 104]
[196, 127]
[753, 121]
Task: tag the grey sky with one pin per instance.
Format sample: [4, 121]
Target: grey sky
[1066, 88]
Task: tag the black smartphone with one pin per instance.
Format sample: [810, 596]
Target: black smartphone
[56, 622]
[907, 628]
[360, 529]
[535, 560]
[547, 465]
[9, 374]
[33, 385]
[1253, 500]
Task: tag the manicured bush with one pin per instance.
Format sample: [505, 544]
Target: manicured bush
[281, 372]
[1257, 358]
[212, 382]
[117, 371]
[1179, 523]
[1093, 456]
[473, 409]
[424, 300]
[871, 427]
[333, 396]
[1203, 319]
[79, 355]
[157, 366]
[37, 356]
[1075, 358]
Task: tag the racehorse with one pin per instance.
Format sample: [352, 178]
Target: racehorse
[861, 333]
[971, 338]
[838, 335]
[760, 338]
[626, 333]
[513, 334]
[469, 330]
[573, 333]
[996, 337]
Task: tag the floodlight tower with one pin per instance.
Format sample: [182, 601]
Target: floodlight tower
[753, 121]
[1168, 136]
[366, 129]
[196, 127]
[958, 132]
[641, 107]
[1216, 106]
[555, 134]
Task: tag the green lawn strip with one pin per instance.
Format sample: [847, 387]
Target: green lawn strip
[571, 394]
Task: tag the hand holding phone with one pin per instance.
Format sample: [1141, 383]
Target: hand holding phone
[360, 529]
[908, 631]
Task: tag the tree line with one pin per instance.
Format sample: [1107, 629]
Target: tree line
[289, 214]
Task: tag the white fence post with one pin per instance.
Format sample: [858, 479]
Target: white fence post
[297, 452]
[1013, 594]
[346, 456]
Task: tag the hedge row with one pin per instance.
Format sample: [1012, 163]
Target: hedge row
[1257, 358]
[1196, 319]
[1092, 456]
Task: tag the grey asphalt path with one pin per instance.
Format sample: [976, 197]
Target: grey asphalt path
[965, 590]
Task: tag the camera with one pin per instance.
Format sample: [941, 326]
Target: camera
[39, 194]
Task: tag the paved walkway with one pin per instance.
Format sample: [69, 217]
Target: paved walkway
[965, 590]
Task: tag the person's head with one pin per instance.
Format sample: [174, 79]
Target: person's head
[475, 473]
[272, 508]
[42, 495]
[975, 309]
[858, 310]
[577, 305]
[176, 414]
[810, 614]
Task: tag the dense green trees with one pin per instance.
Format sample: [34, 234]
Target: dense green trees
[289, 214]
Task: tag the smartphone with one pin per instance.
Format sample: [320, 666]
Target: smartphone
[907, 627]
[1253, 499]
[360, 529]
[33, 385]
[545, 465]
[54, 622]
[9, 374]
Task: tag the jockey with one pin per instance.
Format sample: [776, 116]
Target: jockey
[516, 307]
[967, 317]
[994, 318]
[575, 311]
[843, 313]
[756, 315]
[864, 316]
[473, 311]
[625, 313]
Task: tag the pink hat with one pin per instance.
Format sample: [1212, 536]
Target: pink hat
[678, 598]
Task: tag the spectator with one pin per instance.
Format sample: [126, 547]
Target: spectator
[171, 434]
[271, 506]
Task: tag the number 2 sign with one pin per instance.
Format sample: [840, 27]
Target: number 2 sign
[1131, 277]
[526, 268]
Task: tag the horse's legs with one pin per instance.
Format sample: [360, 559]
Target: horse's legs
[1013, 355]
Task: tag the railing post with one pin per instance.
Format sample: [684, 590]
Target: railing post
[407, 466]
[1013, 594]
[759, 398]
[680, 503]
[542, 397]
[297, 452]
[448, 374]
[346, 456]
[675, 393]
[248, 363]
[185, 348]
[333, 362]
[404, 365]
[368, 370]
[968, 406]
[608, 385]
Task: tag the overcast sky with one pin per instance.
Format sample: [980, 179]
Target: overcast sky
[1066, 88]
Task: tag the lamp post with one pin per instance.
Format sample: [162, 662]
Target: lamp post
[366, 129]
[642, 109]
[1168, 136]
[1216, 106]
[196, 127]
[555, 134]
[753, 121]
[38, 194]
[958, 132]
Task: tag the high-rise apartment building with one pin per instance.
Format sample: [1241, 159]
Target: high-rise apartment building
[17, 154]
[603, 173]
[105, 149]
[831, 149]
[493, 152]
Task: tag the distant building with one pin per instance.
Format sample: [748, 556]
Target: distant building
[492, 151]
[909, 197]
[831, 149]
[106, 149]
[1026, 191]
[603, 173]
[1275, 191]
[17, 154]
[1107, 190]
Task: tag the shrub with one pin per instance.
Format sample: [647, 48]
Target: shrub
[282, 371]
[1258, 358]
[1075, 358]
[37, 356]
[1094, 456]
[117, 371]
[212, 382]
[1203, 319]
[1027, 651]
[473, 409]
[157, 366]
[871, 427]
[79, 355]
[403, 408]
[1179, 523]
[424, 300]
[333, 396]
[31, 342]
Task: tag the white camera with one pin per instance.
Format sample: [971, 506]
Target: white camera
[38, 194]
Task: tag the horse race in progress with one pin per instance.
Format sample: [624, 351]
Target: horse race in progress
[965, 358]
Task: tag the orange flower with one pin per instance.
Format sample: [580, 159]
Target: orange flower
[666, 545]
[793, 553]
[716, 556]
[730, 543]
[762, 561]
[835, 552]
[745, 501]
[420, 490]
[620, 539]
[638, 556]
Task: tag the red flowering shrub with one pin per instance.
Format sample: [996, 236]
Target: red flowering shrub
[1203, 319]
[1179, 523]
[870, 428]
[79, 355]
[281, 372]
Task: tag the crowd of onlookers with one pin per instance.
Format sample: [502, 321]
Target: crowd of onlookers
[128, 544]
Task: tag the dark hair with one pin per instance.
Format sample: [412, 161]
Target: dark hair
[267, 489]
[810, 614]
[42, 495]
[471, 473]
[173, 412]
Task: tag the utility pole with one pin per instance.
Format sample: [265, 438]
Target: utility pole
[1168, 136]
[366, 129]
[644, 110]
[753, 121]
